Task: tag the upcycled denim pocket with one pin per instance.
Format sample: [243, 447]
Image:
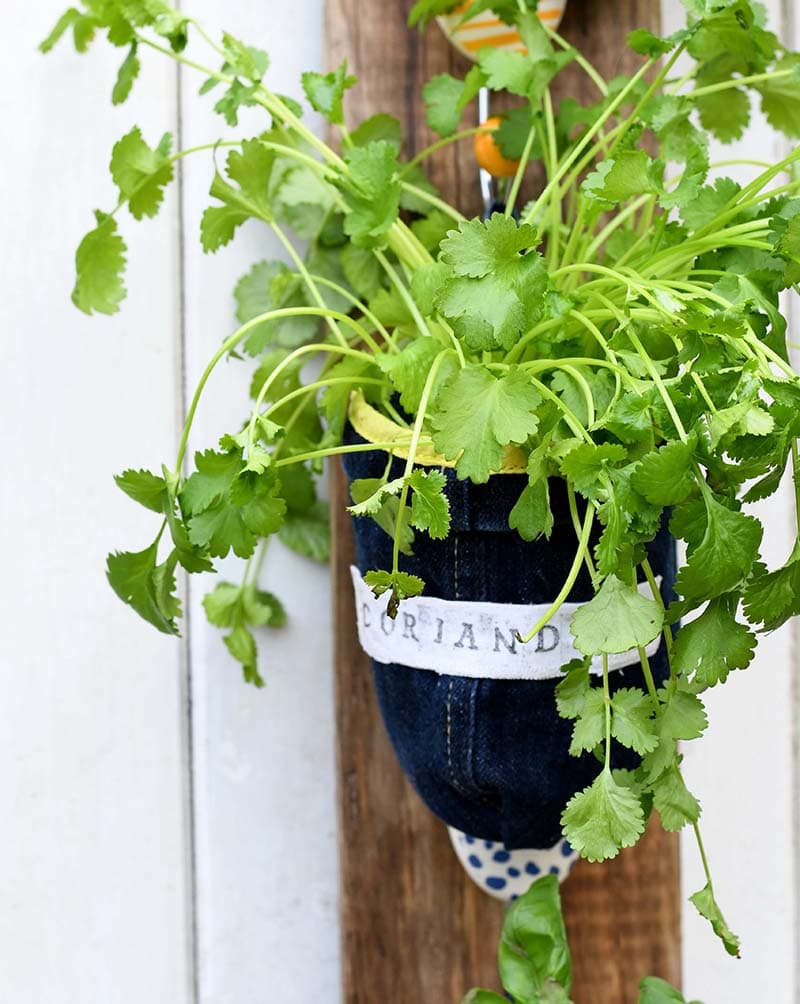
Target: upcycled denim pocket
[489, 756]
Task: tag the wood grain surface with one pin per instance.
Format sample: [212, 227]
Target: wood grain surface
[414, 927]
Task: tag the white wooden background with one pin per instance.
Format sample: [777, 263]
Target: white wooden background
[167, 834]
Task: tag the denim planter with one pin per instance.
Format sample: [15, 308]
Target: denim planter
[490, 757]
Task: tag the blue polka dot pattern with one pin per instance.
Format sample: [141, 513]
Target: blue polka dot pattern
[507, 874]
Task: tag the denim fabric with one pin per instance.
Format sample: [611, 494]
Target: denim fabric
[490, 756]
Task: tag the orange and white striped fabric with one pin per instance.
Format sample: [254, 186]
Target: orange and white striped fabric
[488, 29]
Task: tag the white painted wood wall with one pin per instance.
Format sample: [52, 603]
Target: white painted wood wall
[167, 834]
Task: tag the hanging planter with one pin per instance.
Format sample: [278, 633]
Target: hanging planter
[470, 708]
[527, 407]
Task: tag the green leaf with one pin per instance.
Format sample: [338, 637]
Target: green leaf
[271, 285]
[229, 507]
[647, 44]
[309, 532]
[127, 74]
[141, 173]
[506, 70]
[617, 619]
[378, 127]
[774, 598]
[223, 605]
[372, 193]
[144, 488]
[603, 818]
[780, 98]
[653, 990]
[723, 558]
[666, 476]
[534, 958]
[442, 95]
[99, 268]
[590, 724]
[83, 29]
[707, 649]
[709, 203]
[242, 646]
[401, 585]
[725, 114]
[147, 587]
[630, 174]
[371, 505]
[248, 198]
[386, 515]
[573, 690]
[325, 92]
[495, 292]
[673, 801]
[707, 907]
[632, 720]
[532, 516]
[479, 415]
[683, 715]
[430, 508]
[408, 370]
[586, 464]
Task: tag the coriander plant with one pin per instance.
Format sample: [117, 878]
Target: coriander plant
[625, 333]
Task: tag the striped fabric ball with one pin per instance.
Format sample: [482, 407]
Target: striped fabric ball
[488, 29]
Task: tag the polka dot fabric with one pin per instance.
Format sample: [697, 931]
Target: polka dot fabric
[508, 874]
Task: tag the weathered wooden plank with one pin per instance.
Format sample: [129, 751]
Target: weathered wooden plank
[414, 927]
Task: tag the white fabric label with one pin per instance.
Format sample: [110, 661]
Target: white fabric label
[478, 640]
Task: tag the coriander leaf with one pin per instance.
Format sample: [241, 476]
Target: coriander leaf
[632, 721]
[506, 70]
[141, 173]
[683, 715]
[386, 515]
[127, 74]
[244, 60]
[707, 907]
[534, 956]
[673, 801]
[480, 415]
[99, 267]
[250, 169]
[617, 619]
[380, 126]
[442, 95]
[603, 818]
[402, 586]
[780, 97]
[83, 29]
[270, 285]
[653, 990]
[585, 465]
[430, 507]
[325, 92]
[242, 646]
[630, 174]
[709, 203]
[408, 370]
[223, 604]
[708, 648]
[590, 724]
[142, 584]
[308, 532]
[724, 113]
[262, 608]
[496, 292]
[573, 689]
[229, 507]
[723, 558]
[372, 192]
[771, 599]
[144, 488]
[666, 476]
[647, 44]
[532, 516]
[371, 505]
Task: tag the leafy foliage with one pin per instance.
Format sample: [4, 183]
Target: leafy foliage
[622, 333]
